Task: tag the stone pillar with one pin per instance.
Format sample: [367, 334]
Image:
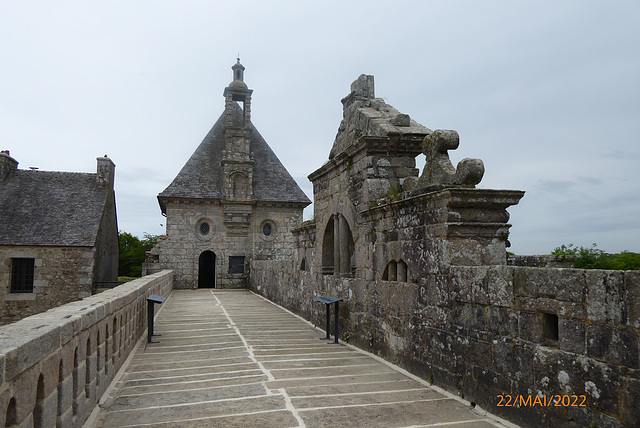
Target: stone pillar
[336, 244]
[402, 271]
[393, 271]
[345, 262]
[247, 112]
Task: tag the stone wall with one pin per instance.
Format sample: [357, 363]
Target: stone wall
[55, 366]
[61, 275]
[226, 237]
[483, 331]
[421, 263]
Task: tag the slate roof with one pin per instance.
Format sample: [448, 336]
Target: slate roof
[201, 176]
[50, 208]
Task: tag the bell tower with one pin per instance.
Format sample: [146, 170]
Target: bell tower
[237, 159]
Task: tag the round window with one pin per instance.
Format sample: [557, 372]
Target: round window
[266, 229]
[204, 228]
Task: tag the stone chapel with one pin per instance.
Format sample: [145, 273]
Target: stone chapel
[232, 202]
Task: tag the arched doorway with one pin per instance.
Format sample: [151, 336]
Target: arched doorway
[207, 270]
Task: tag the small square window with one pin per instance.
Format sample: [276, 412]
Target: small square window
[236, 264]
[22, 273]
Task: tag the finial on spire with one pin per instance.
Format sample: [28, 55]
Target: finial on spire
[238, 70]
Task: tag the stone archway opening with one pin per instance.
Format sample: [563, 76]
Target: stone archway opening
[207, 270]
[327, 249]
[338, 248]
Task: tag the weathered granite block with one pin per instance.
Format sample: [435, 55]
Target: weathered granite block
[469, 317]
[632, 288]
[562, 284]
[552, 306]
[530, 326]
[513, 361]
[502, 322]
[572, 335]
[483, 285]
[41, 340]
[629, 399]
[45, 412]
[614, 345]
[605, 296]
[65, 394]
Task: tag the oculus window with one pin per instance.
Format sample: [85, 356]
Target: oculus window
[204, 228]
[267, 229]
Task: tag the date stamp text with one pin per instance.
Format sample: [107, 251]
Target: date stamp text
[542, 401]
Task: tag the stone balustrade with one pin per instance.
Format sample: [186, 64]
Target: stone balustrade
[55, 366]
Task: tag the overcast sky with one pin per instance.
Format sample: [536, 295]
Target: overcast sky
[546, 93]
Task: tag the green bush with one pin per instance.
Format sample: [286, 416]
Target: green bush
[594, 258]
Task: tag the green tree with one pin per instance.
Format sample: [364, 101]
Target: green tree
[594, 258]
[133, 252]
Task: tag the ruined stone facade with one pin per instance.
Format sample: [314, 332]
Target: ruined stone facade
[58, 236]
[420, 261]
[231, 203]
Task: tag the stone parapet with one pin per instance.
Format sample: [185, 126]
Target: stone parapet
[490, 331]
[55, 366]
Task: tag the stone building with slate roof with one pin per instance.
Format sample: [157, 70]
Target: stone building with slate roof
[58, 236]
[232, 202]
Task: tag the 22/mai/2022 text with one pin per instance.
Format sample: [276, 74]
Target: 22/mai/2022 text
[542, 401]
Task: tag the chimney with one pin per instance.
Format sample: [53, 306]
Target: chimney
[7, 164]
[106, 173]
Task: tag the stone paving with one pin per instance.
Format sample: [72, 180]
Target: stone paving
[229, 358]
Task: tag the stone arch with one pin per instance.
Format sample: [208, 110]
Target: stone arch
[328, 248]
[349, 265]
[390, 271]
[207, 269]
[338, 247]
[396, 271]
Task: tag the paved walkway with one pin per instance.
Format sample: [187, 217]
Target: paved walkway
[233, 359]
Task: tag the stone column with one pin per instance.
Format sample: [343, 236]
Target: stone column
[345, 262]
[393, 271]
[336, 244]
[402, 271]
